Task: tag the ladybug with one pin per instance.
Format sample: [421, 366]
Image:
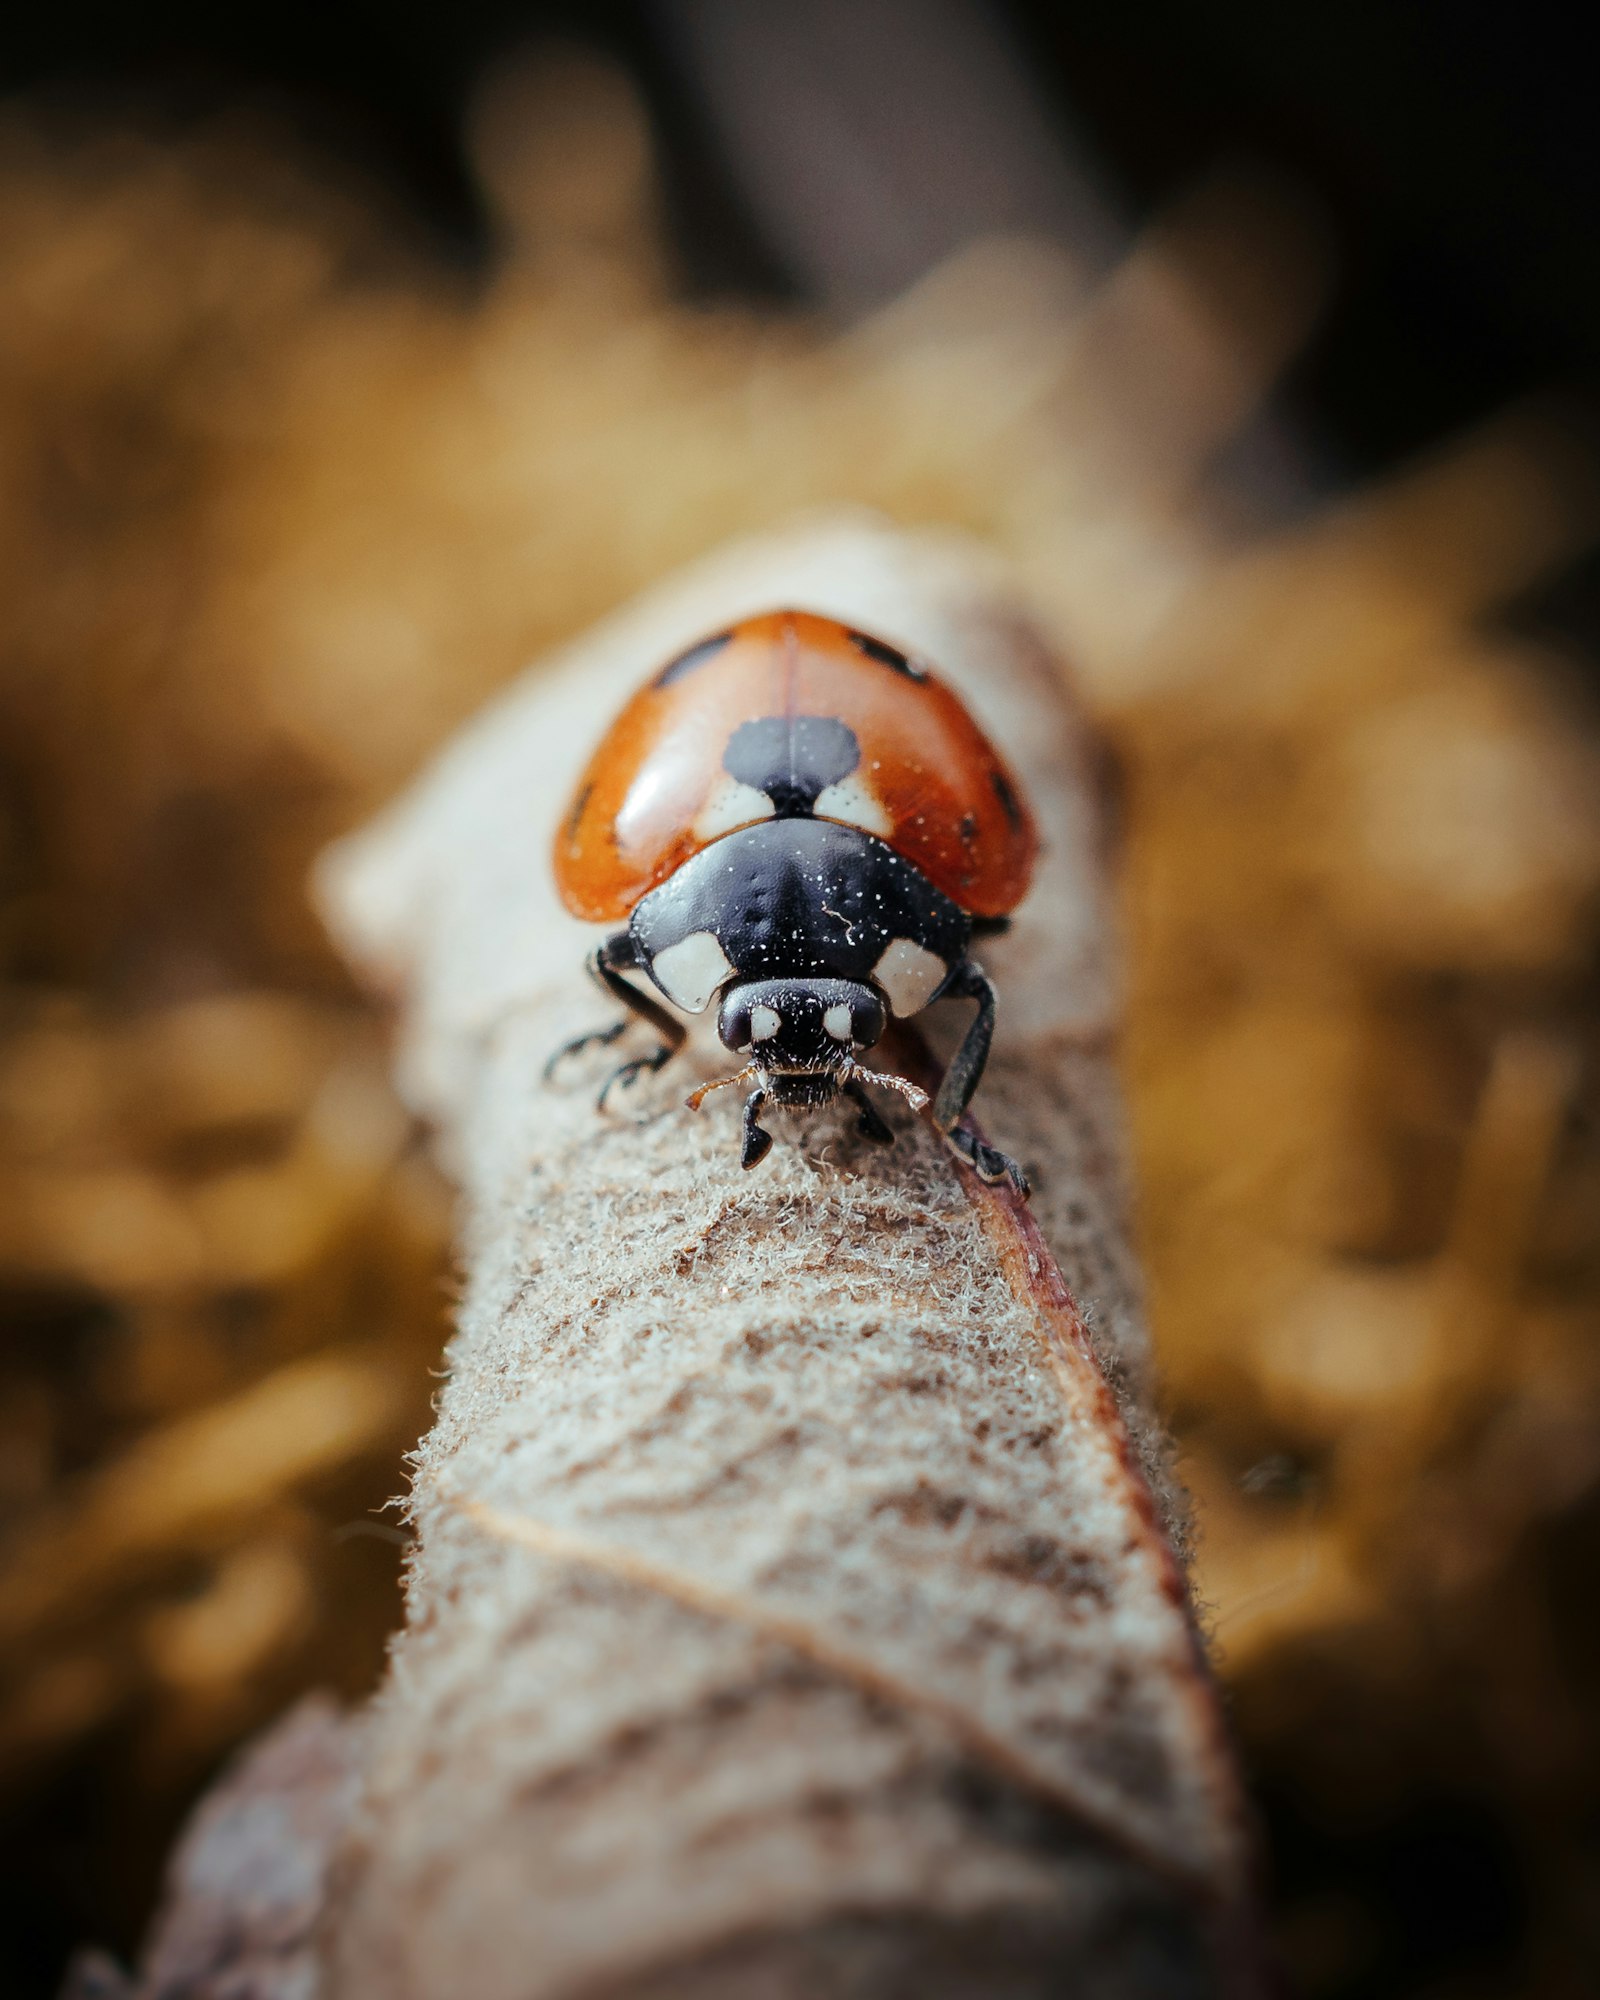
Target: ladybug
[798, 820]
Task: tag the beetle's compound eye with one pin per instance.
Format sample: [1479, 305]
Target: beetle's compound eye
[733, 1024]
[866, 1020]
[765, 1023]
[838, 1023]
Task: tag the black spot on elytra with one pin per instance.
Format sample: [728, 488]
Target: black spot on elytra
[791, 758]
[1010, 804]
[686, 663]
[968, 829]
[886, 655]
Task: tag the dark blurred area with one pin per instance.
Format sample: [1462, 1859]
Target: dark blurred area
[1449, 149]
[350, 356]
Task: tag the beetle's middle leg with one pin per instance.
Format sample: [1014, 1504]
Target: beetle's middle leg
[961, 1080]
[606, 966]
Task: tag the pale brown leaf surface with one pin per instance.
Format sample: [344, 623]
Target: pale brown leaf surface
[787, 1588]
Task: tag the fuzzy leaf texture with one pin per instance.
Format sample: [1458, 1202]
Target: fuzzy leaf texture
[793, 1609]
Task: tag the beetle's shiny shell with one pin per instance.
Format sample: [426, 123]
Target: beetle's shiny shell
[927, 781]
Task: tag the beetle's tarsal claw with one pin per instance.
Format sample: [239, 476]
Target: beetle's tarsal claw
[987, 1162]
[626, 1074]
[596, 1038]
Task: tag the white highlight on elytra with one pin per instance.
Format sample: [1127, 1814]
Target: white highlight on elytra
[730, 806]
[837, 1021]
[910, 975]
[852, 801]
[690, 971]
[764, 1023]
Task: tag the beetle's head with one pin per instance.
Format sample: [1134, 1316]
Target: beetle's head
[802, 1033]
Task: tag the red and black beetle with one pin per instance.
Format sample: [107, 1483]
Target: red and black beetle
[798, 818]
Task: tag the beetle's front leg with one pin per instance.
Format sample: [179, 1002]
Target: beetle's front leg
[756, 1141]
[869, 1124]
[970, 982]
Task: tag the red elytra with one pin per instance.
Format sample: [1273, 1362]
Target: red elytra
[937, 790]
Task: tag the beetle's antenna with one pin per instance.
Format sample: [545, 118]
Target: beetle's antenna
[916, 1098]
[698, 1097]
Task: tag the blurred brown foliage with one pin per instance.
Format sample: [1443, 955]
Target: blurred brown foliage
[279, 504]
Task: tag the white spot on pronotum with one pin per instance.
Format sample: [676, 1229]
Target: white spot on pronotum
[856, 804]
[690, 971]
[764, 1023]
[730, 806]
[837, 1021]
[910, 975]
